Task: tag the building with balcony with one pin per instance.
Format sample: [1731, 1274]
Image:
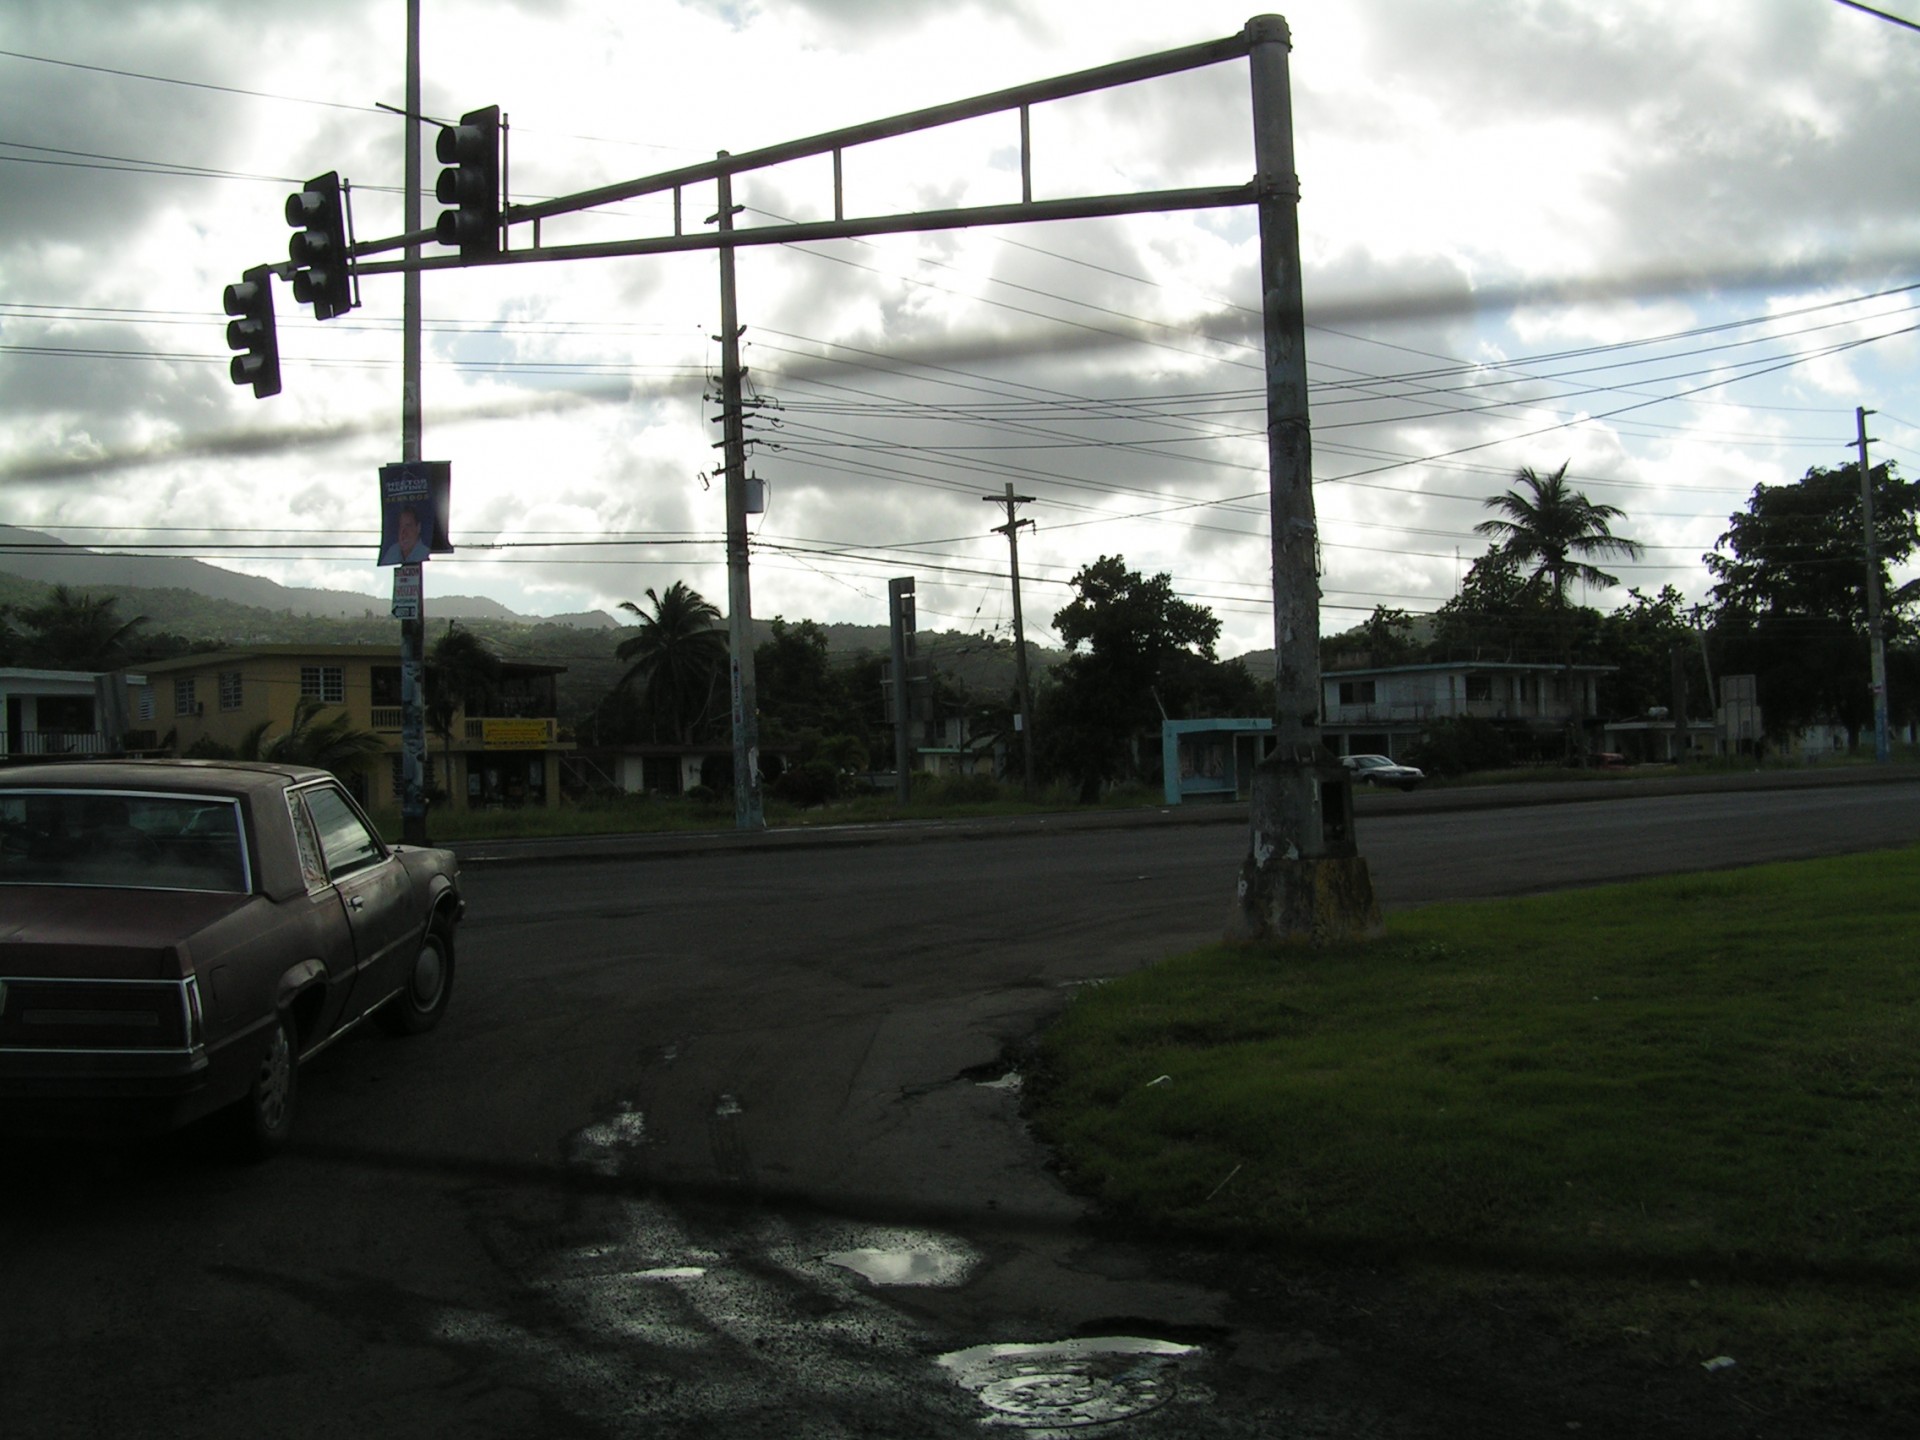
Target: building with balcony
[502, 749]
[1383, 709]
[58, 714]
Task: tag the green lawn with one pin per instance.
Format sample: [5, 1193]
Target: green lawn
[1683, 1115]
[648, 814]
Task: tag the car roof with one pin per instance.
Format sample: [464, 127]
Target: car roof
[226, 777]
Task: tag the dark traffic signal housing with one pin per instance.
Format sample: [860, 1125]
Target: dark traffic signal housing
[252, 301]
[321, 277]
[470, 183]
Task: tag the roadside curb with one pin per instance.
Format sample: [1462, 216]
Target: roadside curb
[1368, 804]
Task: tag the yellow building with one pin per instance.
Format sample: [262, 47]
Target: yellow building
[504, 751]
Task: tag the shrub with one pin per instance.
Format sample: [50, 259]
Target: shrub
[813, 782]
[1455, 746]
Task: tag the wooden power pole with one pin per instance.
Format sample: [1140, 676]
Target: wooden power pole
[1024, 721]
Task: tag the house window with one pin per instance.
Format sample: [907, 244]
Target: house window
[324, 683]
[1479, 688]
[144, 706]
[386, 684]
[399, 777]
[229, 689]
[1356, 692]
[183, 703]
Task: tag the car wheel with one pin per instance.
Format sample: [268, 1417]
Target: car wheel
[264, 1119]
[429, 986]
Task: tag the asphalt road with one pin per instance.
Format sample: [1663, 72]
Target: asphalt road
[719, 1139]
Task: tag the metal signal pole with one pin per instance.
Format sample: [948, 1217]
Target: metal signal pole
[1303, 881]
[1012, 531]
[413, 728]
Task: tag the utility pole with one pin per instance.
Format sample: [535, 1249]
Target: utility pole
[748, 813]
[900, 629]
[1023, 722]
[1876, 628]
[413, 729]
[1303, 881]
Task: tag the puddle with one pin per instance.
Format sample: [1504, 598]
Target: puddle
[1009, 1081]
[1069, 1383]
[927, 1264]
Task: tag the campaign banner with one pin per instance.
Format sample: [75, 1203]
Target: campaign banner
[413, 511]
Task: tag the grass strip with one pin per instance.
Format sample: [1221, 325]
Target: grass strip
[1682, 1113]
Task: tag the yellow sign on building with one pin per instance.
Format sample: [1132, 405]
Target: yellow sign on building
[496, 734]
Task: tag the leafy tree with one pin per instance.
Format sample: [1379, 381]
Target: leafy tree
[72, 631]
[1799, 549]
[1385, 637]
[798, 688]
[1557, 531]
[1640, 638]
[678, 658]
[1137, 636]
[1501, 614]
[1790, 588]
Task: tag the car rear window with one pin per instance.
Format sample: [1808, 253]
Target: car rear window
[122, 839]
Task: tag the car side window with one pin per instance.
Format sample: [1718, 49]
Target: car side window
[345, 841]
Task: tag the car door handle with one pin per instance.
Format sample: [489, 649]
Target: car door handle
[356, 903]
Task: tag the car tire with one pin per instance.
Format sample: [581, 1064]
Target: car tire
[263, 1120]
[422, 1000]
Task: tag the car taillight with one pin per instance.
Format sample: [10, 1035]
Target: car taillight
[100, 1015]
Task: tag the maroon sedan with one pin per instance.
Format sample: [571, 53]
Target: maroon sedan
[177, 936]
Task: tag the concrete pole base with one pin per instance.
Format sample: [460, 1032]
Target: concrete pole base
[1305, 902]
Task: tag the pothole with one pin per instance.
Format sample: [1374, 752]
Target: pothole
[1067, 1384]
[601, 1146]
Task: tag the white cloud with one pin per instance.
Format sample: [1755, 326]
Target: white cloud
[1627, 170]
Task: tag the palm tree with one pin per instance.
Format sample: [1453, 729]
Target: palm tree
[1556, 530]
[76, 632]
[678, 658]
[331, 744]
[462, 674]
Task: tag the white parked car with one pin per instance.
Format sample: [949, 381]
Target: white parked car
[1379, 770]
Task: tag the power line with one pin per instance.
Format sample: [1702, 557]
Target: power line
[190, 84]
[1879, 14]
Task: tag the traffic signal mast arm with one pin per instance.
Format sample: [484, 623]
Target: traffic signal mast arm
[834, 142]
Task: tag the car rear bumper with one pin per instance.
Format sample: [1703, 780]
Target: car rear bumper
[66, 1094]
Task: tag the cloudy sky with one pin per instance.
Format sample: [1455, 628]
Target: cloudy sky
[1672, 247]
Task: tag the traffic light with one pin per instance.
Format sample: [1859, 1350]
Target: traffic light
[252, 301]
[319, 247]
[471, 183]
